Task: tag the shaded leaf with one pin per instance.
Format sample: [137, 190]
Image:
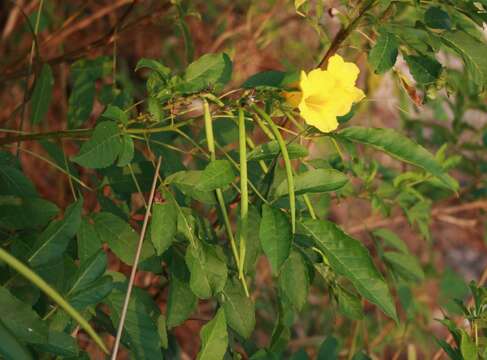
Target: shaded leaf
[425, 70]
[218, 174]
[10, 347]
[350, 258]
[405, 265]
[41, 96]
[54, 240]
[163, 225]
[275, 236]
[349, 304]
[293, 280]
[400, 147]
[214, 338]
[239, 309]
[436, 18]
[383, 55]
[208, 269]
[14, 182]
[103, 147]
[88, 240]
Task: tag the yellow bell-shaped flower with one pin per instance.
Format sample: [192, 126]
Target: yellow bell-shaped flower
[326, 94]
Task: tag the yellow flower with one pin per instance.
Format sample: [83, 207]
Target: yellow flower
[326, 94]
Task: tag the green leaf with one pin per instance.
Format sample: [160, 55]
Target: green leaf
[53, 241]
[328, 349]
[116, 114]
[350, 258]
[400, 147]
[208, 269]
[425, 70]
[80, 103]
[383, 55]
[391, 239]
[210, 70]
[26, 213]
[14, 182]
[153, 65]
[181, 302]
[41, 96]
[188, 183]
[214, 338]
[239, 309]
[59, 343]
[88, 240]
[120, 237]
[405, 265]
[271, 78]
[468, 347]
[293, 280]
[218, 174]
[163, 225]
[436, 18]
[88, 272]
[314, 181]
[127, 153]
[10, 347]
[103, 147]
[473, 53]
[92, 294]
[275, 236]
[270, 150]
[140, 327]
[349, 304]
[21, 320]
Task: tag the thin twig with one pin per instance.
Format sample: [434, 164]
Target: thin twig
[136, 261]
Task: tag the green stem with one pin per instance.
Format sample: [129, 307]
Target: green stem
[244, 193]
[287, 163]
[219, 194]
[53, 294]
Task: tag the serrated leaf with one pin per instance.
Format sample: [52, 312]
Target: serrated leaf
[436, 18]
[218, 174]
[92, 294]
[181, 302]
[103, 147]
[163, 225]
[239, 309]
[270, 150]
[210, 70]
[59, 343]
[400, 147]
[10, 347]
[425, 70]
[140, 327]
[293, 280]
[54, 240]
[214, 338]
[350, 258]
[41, 96]
[383, 55]
[405, 265]
[275, 236]
[473, 53]
[120, 237]
[89, 271]
[21, 320]
[88, 240]
[208, 269]
[314, 181]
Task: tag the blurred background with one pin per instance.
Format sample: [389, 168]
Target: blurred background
[257, 35]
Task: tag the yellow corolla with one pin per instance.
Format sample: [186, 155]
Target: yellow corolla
[326, 94]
